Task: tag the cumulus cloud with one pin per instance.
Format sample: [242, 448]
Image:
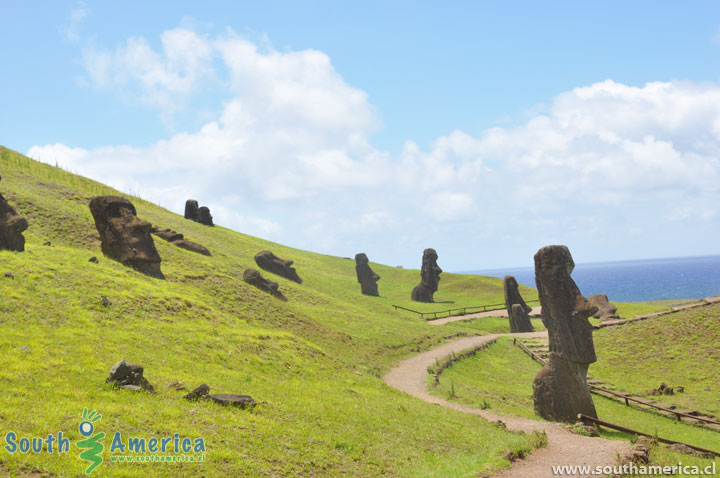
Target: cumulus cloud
[289, 157]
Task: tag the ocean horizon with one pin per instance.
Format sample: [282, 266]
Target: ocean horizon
[636, 280]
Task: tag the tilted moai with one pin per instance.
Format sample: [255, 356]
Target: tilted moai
[365, 276]
[254, 278]
[430, 277]
[198, 214]
[518, 317]
[124, 236]
[268, 261]
[12, 225]
[606, 309]
[560, 390]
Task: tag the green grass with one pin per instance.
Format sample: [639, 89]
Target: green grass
[314, 363]
[476, 383]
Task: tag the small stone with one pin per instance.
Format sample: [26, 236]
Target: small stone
[177, 386]
[94, 260]
[105, 301]
[132, 388]
[8, 275]
[241, 401]
[680, 389]
[119, 371]
[48, 243]
[200, 392]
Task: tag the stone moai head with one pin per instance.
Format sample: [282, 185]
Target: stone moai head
[430, 272]
[12, 225]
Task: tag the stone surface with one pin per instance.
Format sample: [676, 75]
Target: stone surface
[231, 399]
[125, 238]
[429, 278]
[123, 374]
[365, 275]
[520, 320]
[178, 240]
[12, 225]
[560, 389]
[254, 278]
[198, 214]
[268, 261]
[606, 310]
[200, 392]
[512, 295]
[94, 260]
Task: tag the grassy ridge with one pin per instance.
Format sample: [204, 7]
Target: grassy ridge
[313, 362]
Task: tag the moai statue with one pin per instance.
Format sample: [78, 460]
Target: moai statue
[12, 225]
[560, 390]
[606, 309]
[512, 297]
[520, 320]
[430, 277]
[365, 276]
[270, 262]
[254, 278]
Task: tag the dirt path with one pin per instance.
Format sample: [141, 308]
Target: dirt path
[564, 448]
[479, 315]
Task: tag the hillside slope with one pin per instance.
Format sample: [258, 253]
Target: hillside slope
[313, 362]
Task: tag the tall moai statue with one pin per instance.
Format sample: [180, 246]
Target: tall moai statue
[518, 317]
[365, 276]
[12, 225]
[430, 277]
[560, 390]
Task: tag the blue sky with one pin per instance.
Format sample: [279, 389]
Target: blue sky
[483, 129]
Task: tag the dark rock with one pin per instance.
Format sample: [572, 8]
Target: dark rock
[365, 276]
[270, 262]
[663, 390]
[125, 238]
[12, 225]
[48, 243]
[639, 453]
[430, 277]
[254, 278]
[8, 275]
[123, 374]
[94, 260]
[241, 401]
[197, 214]
[177, 239]
[105, 301]
[512, 295]
[200, 392]
[606, 310]
[560, 390]
[177, 386]
[520, 320]
[679, 389]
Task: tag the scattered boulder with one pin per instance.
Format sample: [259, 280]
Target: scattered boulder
[129, 376]
[198, 214]
[47, 243]
[105, 301]
[430, 277]
[606, 310]
[177, 239]
[560, 390]
[12, 225]
[8, 275]
[254, 278]
[231, 399]
[365, 276]
[512, 295]
[639, 453]
[270, 262]
[125, 238]
[94, 260]
[520, 320]
[664, 390]
[200, 392]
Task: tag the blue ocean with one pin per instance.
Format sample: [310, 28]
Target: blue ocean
[641, 280]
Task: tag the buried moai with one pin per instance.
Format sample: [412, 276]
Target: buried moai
[560, 390]
[124, 236]
[430, 277]
[518, 317]
[365, 276]
[606, 309]
[270, 262]
[198, 214]
[12, 225]
[254, 278]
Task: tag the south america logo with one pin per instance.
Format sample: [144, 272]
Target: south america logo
[91, 444]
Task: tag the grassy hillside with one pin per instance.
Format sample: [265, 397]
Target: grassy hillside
[313, 362]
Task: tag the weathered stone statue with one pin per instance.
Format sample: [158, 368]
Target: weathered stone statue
[365, 276]
[12, 226]
[254, 278]
[512, 295]
[430, 276]
[606, 309]
[124, 237]
[198, 214]
[520, 320]
[270, 262]
[560, 389]
[177, 239]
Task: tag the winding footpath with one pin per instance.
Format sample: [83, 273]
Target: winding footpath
[563, 448]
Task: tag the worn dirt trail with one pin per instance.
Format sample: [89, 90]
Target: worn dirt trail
[564, 448]
[491, 313]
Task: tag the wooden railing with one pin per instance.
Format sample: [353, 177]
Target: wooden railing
[598, 390]
[585, 419]
[462, 310]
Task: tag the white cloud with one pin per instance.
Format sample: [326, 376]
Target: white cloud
[291, 146]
